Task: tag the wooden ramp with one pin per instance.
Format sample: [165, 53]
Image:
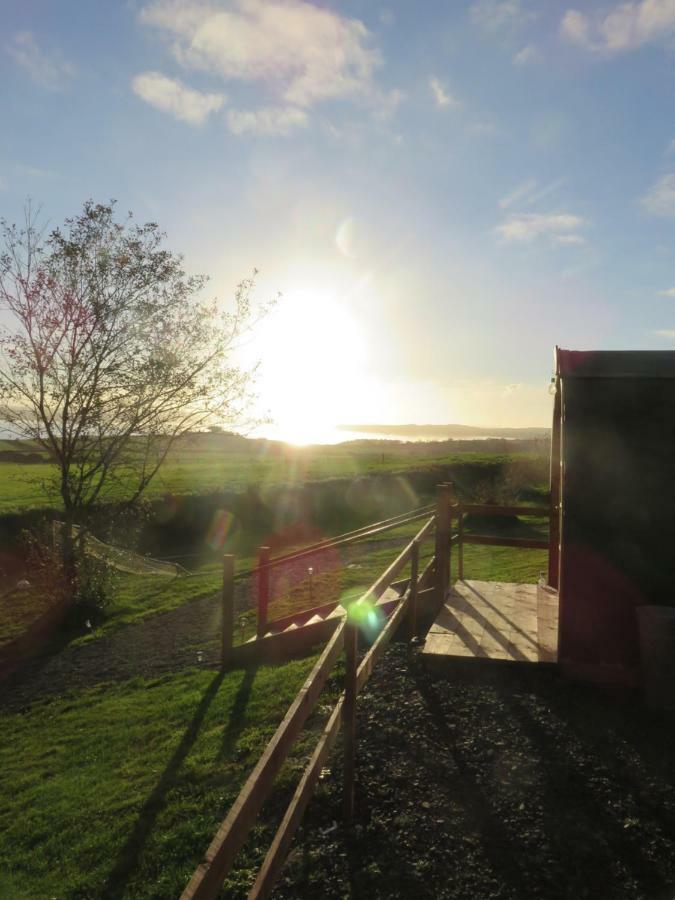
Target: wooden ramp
[495, 621]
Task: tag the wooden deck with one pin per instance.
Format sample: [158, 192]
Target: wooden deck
[498, 621]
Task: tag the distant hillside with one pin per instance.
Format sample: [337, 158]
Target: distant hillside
[450, 431]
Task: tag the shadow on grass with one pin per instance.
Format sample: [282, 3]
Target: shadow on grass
[130, 853]
[235, 723]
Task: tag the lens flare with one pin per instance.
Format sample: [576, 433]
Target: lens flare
[221, 527]
[368, 618]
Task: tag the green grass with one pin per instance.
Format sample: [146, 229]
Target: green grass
[117, 790]
[204, 463]
[125, 783]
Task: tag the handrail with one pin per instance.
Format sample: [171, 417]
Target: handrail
[495, 510]
[266, 565]
[349, 538]
[209, 875]
[423, 534]
[461, 537]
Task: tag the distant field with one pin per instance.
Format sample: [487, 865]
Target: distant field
[206, 463]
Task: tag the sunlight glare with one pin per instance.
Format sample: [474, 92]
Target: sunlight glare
[312, 354]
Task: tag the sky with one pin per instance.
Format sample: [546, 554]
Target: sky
[441, 191]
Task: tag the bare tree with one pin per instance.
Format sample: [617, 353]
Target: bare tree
[110, 352]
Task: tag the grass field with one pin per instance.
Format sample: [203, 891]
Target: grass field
[116, 791]
[203, 463]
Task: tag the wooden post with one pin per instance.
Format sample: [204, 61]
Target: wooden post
[349, 714]
[263, 589]
[452, 506]
[414, 575]
[460, 544]
[227, 605]
[555, 477]
[443, 532]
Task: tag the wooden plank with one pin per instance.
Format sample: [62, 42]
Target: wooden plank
[412, 590]
[227, 608]
[263, 590]
[349, 718]
[492, 510]
[209, 875]
[285, 644]
[276, 855]
[382, 583]
[302, 616]
[443, 538]
[383, 638]
[523, 543]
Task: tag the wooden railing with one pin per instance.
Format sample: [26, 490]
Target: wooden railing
[460, 510]
[209, 875]
[266, 565]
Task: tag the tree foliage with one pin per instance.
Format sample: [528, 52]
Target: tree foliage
[110, 351]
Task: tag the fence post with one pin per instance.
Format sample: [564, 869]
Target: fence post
[412, 599]
[349, 716]
[263, 589]
[443, 533]
[460, 543]
[227, 604]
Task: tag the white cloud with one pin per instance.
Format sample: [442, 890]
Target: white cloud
[671, 147]
[666, 333]
[575, 27]
[660, 199]
[175, 98]
[267, 121]
[519, 193]
[47, 69]
[527, 56]
[529, 192]
[442, 96]
[497, 15]
[626, 27]
[302, 52]
[669, 293]
[559, 228]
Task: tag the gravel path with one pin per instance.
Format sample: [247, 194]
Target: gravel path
[497, 784]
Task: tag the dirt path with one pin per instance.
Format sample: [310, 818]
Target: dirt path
[510, 784]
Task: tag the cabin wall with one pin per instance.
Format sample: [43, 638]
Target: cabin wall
[617, 524]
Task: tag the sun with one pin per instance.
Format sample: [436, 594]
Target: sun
[312, 352]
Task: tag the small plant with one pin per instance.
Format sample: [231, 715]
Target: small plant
[86, 585]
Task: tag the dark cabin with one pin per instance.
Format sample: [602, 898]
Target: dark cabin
[613, 496]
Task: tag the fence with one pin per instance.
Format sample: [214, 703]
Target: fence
[262, 583]
[460, 510]
[432, 583]
[210, 874]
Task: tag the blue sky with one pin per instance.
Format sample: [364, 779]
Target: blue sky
[441, 191]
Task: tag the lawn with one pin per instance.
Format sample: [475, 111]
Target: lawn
[116, 791]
